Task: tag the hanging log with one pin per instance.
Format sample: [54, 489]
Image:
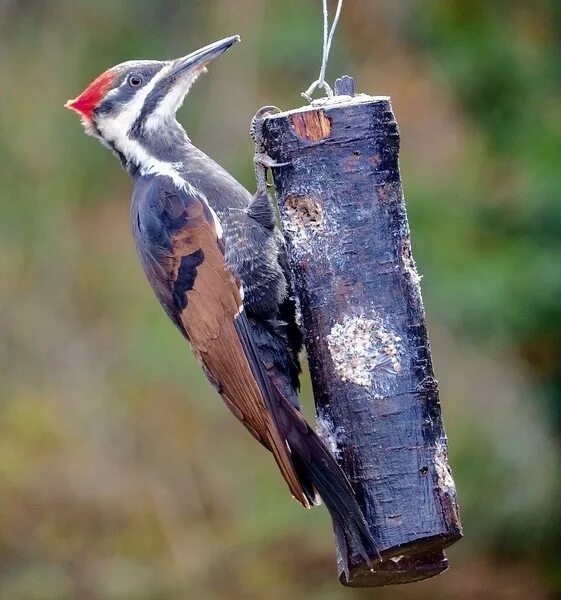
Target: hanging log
[343, 214]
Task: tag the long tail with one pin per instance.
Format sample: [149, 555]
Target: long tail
[314, 465]
[312, 460]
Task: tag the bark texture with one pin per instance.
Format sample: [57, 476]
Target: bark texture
[343, 213]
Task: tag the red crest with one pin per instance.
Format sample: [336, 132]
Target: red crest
[86, 102]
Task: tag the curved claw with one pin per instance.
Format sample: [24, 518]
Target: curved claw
[267, 111]
[261, 160]
[264, 111]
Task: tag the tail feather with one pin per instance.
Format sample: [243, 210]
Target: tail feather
[330, 482]
[313, 464]
[306, 480]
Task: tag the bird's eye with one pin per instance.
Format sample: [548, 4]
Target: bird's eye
[135, 80]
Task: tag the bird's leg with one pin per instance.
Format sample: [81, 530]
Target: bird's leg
[261, 160]
[260, 207]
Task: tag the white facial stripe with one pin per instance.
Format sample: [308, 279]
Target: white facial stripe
[149, 165]
[170, 104]
[116, 127]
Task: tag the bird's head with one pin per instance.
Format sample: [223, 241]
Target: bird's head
[128, 103]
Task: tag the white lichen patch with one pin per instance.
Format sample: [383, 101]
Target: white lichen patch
[443, 473]
[329, 434]
[365, 351]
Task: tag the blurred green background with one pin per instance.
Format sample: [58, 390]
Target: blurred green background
[122, 476]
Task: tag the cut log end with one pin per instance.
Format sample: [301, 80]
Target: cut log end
[312, 125]
[396, 570]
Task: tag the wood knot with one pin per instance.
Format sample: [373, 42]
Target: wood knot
[311, 125]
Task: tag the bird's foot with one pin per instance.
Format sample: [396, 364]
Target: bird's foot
[256, 123]
[261, 160]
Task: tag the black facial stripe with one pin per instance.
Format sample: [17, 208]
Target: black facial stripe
[122, 92]
[124, 95]
[150, 104]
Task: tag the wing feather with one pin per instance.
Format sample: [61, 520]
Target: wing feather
[207, 305]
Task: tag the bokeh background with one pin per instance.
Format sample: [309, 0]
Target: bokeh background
[122, 476]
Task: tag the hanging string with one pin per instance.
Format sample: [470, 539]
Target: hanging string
[327, 39]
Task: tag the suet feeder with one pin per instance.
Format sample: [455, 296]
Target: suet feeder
[343, 213]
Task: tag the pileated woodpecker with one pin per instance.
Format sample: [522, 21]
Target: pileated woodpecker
[216, 263]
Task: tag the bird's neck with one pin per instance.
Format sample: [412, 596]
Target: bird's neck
[156, 152]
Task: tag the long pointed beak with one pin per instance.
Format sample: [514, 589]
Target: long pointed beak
[200, 58]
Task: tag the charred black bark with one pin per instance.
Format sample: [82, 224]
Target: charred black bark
[343, 213]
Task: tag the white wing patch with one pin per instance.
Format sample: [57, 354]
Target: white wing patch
[220, 235]
[217, 224]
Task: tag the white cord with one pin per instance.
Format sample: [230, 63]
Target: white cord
[327, 40]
